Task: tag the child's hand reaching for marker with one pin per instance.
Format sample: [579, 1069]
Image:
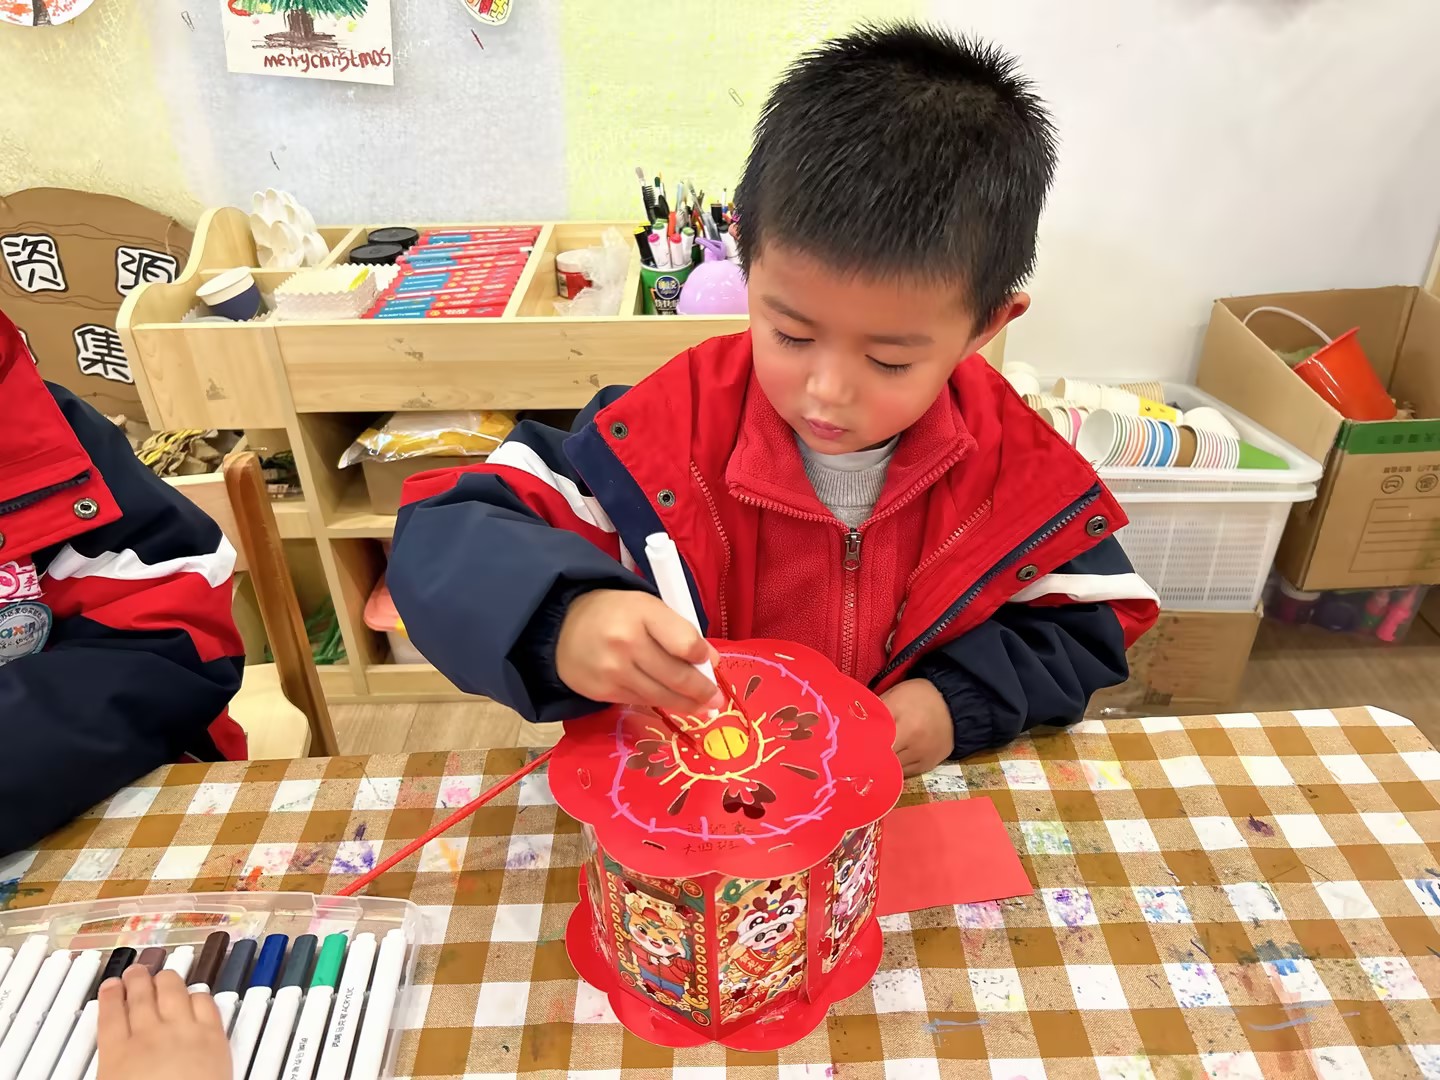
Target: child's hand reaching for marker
[924, 730]
[153, 1028]
[628, 647]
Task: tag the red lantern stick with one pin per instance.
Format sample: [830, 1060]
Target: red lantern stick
[449, 823]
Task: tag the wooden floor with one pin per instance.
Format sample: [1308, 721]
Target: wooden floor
[1291, 668]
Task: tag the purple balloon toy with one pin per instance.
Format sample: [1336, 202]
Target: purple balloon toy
[715, 287]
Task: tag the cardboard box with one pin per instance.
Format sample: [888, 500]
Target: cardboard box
[1190, 662]
[384, 479]
[1375, 521]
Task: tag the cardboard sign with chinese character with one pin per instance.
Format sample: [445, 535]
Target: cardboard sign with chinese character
[67, 260]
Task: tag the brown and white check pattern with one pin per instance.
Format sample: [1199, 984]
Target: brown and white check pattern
[1231, 896]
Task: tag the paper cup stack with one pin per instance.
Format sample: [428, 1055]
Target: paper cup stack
[1110, 438]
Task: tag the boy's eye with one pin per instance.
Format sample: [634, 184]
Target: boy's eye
[890, 369]
[789, 342]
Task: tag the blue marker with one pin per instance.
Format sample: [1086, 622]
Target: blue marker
[257, 998]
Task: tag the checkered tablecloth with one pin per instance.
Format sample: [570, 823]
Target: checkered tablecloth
[1217, 896]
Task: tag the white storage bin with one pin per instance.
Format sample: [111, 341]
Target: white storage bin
[1205, 538]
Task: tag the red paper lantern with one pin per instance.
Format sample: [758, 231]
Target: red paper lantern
[729, 890]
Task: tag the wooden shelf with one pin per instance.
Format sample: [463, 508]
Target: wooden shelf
[313, 386]
[353, 516]
[292, 515]
[413, 682]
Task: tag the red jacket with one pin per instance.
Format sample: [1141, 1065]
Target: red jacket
[117, 647]
[988, 564]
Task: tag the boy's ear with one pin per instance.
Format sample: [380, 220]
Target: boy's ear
[1015, 305]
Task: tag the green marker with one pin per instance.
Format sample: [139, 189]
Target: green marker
[309, 1035]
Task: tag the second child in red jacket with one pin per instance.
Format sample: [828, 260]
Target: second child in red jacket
[841, 475]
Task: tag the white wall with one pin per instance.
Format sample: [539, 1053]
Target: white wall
[1216, 148]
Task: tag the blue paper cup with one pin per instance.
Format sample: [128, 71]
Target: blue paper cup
[232, 294]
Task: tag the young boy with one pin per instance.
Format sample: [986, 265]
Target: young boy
[847, 474]
[118, 652]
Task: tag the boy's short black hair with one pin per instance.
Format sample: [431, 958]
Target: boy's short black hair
[903, 151]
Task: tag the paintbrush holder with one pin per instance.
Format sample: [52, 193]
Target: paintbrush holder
[729, 884]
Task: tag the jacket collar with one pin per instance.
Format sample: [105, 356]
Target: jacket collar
[766, 465]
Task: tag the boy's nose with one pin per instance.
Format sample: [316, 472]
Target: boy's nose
[827, 385]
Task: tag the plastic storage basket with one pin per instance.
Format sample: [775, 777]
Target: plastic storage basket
[1205, 538]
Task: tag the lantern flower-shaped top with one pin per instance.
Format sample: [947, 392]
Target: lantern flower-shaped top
[767, 787]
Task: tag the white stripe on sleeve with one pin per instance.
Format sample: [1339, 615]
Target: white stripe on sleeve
[1087, 588]
[516, 455]
[216, 568]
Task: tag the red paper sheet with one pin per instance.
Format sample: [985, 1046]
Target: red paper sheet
[942, 853]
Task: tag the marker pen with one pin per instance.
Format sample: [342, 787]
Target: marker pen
[349, 1000]
[251, 1019]
[151, 959]
[18, 979]
[7, 957]
[227, 989]
[180, 960]
[659, 252]
[375, 1026]
[63, 1013]
[310, 1032]
[31, 1014]
[207, 964]
[80, 1050]
[281, 1022]
[677, 251]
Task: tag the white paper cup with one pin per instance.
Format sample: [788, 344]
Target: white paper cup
[1211, 420]
[1023, 382]
[1099, 439]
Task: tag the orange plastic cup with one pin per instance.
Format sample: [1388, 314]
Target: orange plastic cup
[1341, 374]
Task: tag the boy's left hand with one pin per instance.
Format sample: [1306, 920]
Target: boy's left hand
[924, 732]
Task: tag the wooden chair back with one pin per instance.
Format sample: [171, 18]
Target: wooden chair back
[238, 502]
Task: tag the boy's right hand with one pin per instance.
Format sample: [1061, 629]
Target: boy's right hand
[624, 646]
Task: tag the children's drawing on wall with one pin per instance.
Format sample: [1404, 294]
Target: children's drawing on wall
[348, 40]
[493, 12]
[41, 12]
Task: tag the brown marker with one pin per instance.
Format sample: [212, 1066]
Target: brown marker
[152, 959]
[207, 964]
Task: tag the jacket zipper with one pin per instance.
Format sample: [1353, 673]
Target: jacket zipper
[850, 564]
[724, 544]
[854, 538]
[15, 505]
[1046, 531]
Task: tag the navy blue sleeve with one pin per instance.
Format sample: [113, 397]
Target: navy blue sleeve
[141, 662]
[483, 581]
[1039, 660]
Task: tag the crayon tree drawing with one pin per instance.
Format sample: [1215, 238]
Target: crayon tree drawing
[348, 40]
[41, 12]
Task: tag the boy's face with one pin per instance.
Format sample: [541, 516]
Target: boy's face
[850, 362]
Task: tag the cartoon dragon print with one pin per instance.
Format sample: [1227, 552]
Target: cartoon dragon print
[660, 948]
[854, 888]
[765, 950]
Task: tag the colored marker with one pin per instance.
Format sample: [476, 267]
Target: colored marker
[310, 1032]
[7, 957]
[252, 1008]
[349, 1000]
[207, 964]
[31, 1014]
[227, 989]
[23, 970]
[181, 960]
[63, 1013]
[79, 1053]
[151, 959]
[281, 1023]
[375, 1025]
